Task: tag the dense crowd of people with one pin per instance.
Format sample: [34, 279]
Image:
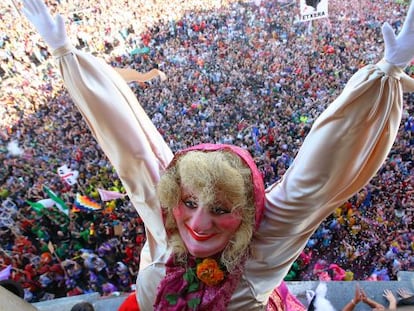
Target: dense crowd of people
[280, 74]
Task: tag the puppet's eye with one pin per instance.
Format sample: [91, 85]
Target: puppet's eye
[190, 203]
[218, 210]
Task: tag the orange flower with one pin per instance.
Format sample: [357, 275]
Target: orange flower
[209, 272]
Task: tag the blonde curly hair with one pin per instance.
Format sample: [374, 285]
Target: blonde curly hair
[210, 173]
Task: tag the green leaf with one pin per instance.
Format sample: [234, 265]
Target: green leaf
[189, 276]
[172, 299]
[193, 287]
[193, 303]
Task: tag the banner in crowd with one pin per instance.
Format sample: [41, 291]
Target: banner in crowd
[85, 203]
[68, 175]
[313, 9]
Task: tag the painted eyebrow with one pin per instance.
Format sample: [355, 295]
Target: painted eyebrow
[187, 197]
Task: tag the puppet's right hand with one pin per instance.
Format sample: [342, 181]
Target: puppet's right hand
[50, 29]
[399, 50]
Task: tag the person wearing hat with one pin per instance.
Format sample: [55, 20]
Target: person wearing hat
[216, 238]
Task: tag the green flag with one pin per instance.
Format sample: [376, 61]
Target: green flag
[59, 202]
[36, 206]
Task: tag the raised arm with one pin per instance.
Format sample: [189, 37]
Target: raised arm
[346, 146]
[349, 141]
[354, 301]
[392, 301]
[120, 125]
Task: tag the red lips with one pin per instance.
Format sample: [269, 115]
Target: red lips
[198, 237]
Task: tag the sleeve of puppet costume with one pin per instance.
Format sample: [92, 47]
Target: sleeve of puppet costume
[123, 130]
[346, 146]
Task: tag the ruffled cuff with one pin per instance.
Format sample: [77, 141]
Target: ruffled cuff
[398, 73]
[390, 69]
[63, 50]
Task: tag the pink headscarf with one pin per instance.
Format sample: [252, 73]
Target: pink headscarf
[257, 178]
[209, 297]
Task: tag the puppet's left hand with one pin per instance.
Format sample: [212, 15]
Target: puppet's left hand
[52, 30]
[399, 50]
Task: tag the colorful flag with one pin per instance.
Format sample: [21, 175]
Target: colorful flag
[75, 209]
[39, 205]
[59, 202]
[313, 9]
[107, 195]
[46, 203]
[85, 203]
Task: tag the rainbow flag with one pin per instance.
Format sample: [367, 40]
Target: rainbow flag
[85, 203]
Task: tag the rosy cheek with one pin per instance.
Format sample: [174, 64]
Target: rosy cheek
[180, 212]
[230, 222]
[177, 212]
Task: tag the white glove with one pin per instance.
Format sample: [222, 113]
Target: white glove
[399, 50]
[51, 30]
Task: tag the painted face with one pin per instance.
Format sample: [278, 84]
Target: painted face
[205, 228]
